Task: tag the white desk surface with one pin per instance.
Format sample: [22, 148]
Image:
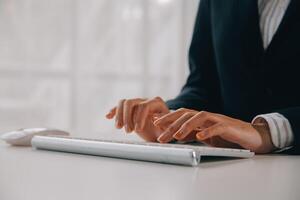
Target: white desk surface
[27, 174]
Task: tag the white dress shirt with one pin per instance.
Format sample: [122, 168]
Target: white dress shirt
[271, 13]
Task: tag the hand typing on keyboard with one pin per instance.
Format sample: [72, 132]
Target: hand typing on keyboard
[152, 120]
[215, 130]
[138, 115]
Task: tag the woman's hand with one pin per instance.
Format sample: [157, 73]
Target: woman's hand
[215, 130]
[138, 115]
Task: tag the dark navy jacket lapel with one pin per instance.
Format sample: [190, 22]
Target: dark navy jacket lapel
[292, 13]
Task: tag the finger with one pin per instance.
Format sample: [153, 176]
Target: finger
[154, 116]
[143, 110]
[157, 116]
[119, 116]
[167, 135]
[171, 117]
[190, 137]
[111, 113]
[128, 115]
[212, 131]
[197, 121]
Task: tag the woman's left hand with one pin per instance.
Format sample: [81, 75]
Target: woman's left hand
[215, 130]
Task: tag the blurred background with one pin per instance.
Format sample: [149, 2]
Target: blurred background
[65, 63]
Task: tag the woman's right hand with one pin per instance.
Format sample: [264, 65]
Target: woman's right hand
[138, 115]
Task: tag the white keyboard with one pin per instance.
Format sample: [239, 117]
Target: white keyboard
[182, 154]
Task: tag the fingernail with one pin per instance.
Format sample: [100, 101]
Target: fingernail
[162, 138]
[178, 135]
[201, 135]
[159, 139]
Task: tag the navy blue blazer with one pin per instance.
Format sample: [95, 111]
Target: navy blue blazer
[230, 71]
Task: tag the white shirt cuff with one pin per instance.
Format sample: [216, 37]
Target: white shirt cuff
[280, 129]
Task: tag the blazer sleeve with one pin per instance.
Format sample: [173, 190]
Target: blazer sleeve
[200, 91]
[293, 115]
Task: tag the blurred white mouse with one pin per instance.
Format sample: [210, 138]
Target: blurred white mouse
[23, 137]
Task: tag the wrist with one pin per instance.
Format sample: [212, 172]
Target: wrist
[267, 145]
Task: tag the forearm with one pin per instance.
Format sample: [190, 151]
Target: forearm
[284, 127]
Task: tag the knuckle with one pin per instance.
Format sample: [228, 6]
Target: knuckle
[182, 110]
[122, 101]
[185, 126]
[202, 113]
[158, 98]
[128, 102]
[187, 114]
[144, 105]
